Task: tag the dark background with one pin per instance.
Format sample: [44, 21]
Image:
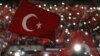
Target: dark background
[93, 2]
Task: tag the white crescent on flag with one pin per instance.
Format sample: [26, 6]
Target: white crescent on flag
[24, 22]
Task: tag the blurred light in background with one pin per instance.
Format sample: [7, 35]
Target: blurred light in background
[77, 47]
[0, 4]
[46, 54]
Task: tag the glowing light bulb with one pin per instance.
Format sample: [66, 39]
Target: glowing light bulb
[82, 7]
[17, 54]
[6, 6]
[84, 22]
[91, 8]
[91, 55]
[68, 40]
[97, 14]
[69, 17]
[55, 5]
[40, 6]
[1, 4]
[46, 54]
[57, 40]
[98, 8]
[94, 19]
[56, 8]
[76, 5]
[61, 26]
[62, 19]
[62, 16]
[63, 3]
[99, 45]
[98, 27]
[70, 14]
[86, 33]
[66, 30]
[44, 4]
[77, 47]
[78, 13]
[50, 7]
[66, 8]
[48, 10]
[74, 23]
[6, 17]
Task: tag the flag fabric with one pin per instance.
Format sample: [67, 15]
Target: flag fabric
[82, 39]
[33, 21]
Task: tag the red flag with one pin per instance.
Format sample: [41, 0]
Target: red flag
[82, 40]
[34, 21]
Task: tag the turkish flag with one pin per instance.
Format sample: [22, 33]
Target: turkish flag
[33, 21]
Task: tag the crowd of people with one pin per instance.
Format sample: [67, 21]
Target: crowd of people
[68, 14]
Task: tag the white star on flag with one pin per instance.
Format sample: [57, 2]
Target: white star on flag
[38, 25]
